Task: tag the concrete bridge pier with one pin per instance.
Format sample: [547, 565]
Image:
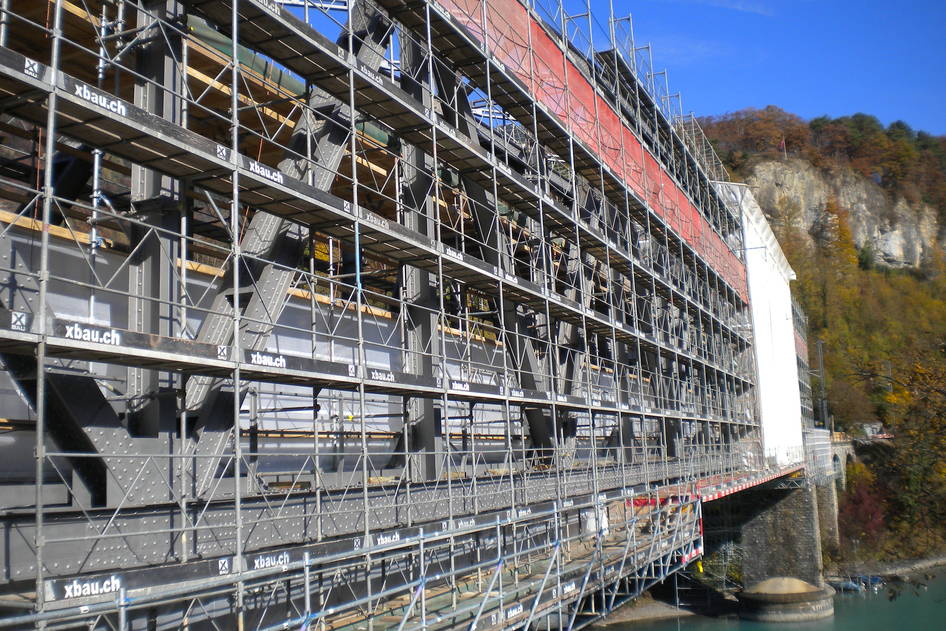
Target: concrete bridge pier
[827, 500]
[782, 570]
[784, 538]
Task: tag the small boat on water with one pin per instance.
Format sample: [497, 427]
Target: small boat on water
[847, 585]
[857, 583]
[871, 582]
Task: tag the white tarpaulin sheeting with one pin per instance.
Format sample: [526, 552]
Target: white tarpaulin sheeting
[770, 302]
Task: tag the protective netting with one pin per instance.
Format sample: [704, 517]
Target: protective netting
[469, 13]
[634, 161]
[548, 64]
[581, 109]
[508, 33]
[610, 129]
[528, 50]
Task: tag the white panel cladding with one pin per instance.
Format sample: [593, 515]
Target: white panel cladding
[770, 301]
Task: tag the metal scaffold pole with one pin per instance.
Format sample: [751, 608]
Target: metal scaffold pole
[42, 315]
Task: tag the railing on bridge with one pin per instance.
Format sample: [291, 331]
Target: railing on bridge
[818, 462]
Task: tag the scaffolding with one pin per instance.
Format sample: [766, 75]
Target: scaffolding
[369, 314]
[800, 322]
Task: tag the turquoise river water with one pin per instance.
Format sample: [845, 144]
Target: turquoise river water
[910, 611]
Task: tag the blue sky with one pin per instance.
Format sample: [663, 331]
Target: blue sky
[810, 57]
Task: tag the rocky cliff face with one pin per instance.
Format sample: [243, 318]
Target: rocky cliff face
[899, 234]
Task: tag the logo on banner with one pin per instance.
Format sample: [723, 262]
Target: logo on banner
[31, 68]
[264, 171]
[19, 321]
[264, 359]
[78, 588]
[86, 334]
[112, 105]
[270, 5]
[266, 561]
[381, 375]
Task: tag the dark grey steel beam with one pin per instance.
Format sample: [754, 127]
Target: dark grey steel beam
[153, 281]
[421, 432]
[273, 247]
[86, 422]
[146, 536]
[496, 251]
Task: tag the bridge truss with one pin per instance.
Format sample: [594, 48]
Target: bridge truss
[377, 314]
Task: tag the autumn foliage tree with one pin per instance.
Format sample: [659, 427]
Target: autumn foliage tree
[752, 132]
[862, 516]
[916, 467]
[904, 161]
[884, 330]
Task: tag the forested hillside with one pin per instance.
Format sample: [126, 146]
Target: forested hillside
[884, 329]
[903, 161]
